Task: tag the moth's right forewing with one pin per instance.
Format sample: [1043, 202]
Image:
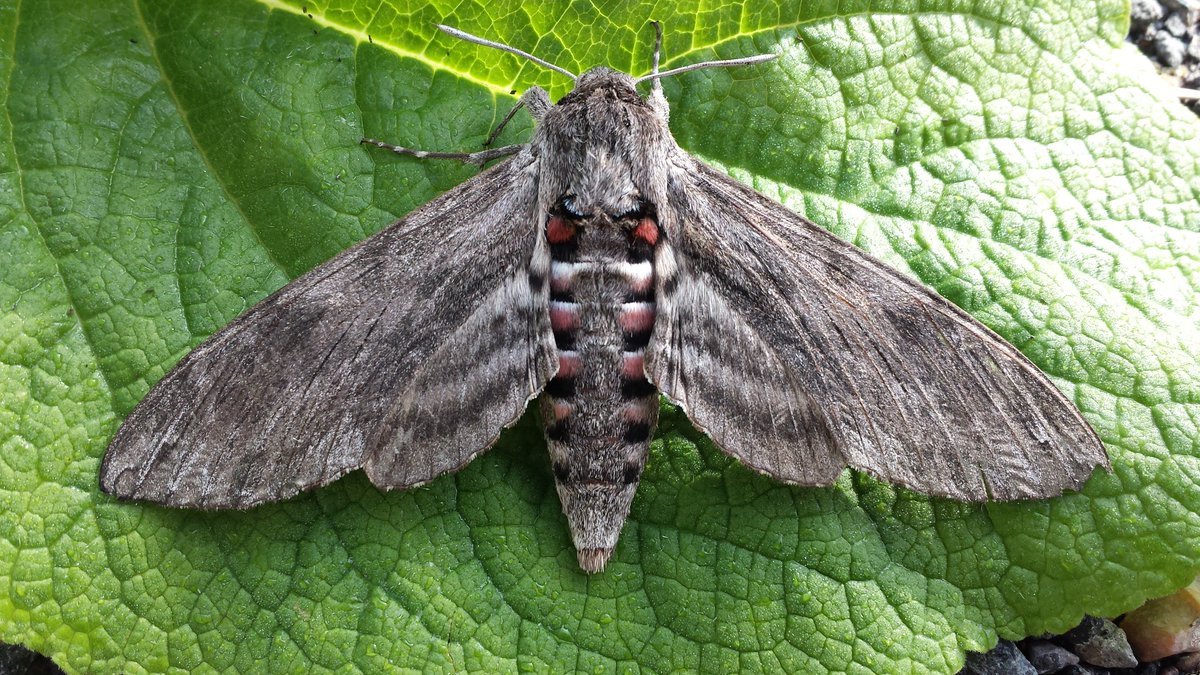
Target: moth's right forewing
[407, 354]
[800, 355]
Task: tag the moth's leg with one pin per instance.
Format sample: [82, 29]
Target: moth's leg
[538, 102]
[477, 158]
[534, 99]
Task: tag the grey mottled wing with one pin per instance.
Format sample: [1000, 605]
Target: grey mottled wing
[404, 355]
[799, 355]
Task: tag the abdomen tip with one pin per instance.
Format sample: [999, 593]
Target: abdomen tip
[593, 560]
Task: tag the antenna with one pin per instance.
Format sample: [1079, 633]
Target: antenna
[504, 48]
[749, 60]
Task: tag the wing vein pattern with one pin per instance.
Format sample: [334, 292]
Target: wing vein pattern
[800, 356]
[405, 356]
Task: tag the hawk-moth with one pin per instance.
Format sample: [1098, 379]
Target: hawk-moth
[596, 267]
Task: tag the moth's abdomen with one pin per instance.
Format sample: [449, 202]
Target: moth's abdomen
[599, 411]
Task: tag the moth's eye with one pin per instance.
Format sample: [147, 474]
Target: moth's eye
[641, 209]
[566, 207]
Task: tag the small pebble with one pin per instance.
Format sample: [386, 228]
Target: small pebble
[1189, 8]
[1175, 25]
[1048, 657]
[1145, 11]
[1004, 659]
[1189, 663]
[1100, 643]
[1165, 626]
[1169, 48]
[1193, 50]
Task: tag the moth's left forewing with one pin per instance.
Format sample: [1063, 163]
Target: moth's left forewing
[799, 355]
[404, 355]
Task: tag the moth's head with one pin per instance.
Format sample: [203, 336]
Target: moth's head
[601, 80]
[603, 84]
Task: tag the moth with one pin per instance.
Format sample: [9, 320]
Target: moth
[598, 266]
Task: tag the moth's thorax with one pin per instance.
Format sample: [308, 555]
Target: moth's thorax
[599, 410]
[603, 144]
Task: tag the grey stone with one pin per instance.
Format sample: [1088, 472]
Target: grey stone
[1190, 9]
[1100, 642]
[1145, 11]
[1175, 25]
[1169, 48]
[1048, 657]
[1189, 664]
[1004, 659]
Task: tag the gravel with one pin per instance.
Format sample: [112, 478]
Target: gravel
[1168, 32]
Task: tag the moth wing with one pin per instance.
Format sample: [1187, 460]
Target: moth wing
[404, 355]
[799, 355]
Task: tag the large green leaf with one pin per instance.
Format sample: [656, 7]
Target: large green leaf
[163, 165]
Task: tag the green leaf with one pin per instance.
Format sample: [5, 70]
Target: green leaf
[164, 165]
